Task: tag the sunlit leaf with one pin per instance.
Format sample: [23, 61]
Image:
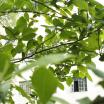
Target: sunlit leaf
[69, 80]
[85, 100]
[44, 83]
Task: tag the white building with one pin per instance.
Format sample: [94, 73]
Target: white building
[71, 94]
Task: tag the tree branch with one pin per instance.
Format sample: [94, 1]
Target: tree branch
[50, 48]
[48, 7]
[17, 11]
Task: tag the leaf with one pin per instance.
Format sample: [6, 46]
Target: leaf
[21, 24]
[60, 100]
[39, 39]
[44, 84]
[27, 37]
[69, 81]
[82, 4]
[92, 42]
[6, 5]
[61, 86]
[4, 87]
[79, 19]
[88, 76]
[57, 22]
[19, 47]
[6, 49]
[6, 67]
[98, 73]
[44, 61]
[91, 66]
[4, 90]
[85, 100]
[9, 72]
[9, 32]
[28, 4]
[26, 16]
[23, 93]
[51, 59]
[11, 100]
[67, 35]
[101, 83]
[75, 73]
[50, 38]
[4, 64]
[28, 34]
[82, 68]
[30, 44]
[82, 75]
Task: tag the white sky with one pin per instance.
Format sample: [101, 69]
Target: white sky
[101, 1]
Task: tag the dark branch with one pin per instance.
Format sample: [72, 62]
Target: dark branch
[50, 48]
[29, 56]
[21, 11]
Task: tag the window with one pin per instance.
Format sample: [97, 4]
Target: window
[79, 85]
[26, 86]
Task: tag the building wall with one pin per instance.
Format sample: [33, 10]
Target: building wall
[93, 88]
[67, 94]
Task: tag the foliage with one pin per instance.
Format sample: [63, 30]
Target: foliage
[72, 38]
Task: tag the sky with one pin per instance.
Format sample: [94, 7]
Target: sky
[101, 1]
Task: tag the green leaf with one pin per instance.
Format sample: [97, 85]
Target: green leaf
[101, 83]
[82, 68]
[57, 22]
[44, 61]
[23, 93]
[75, 73]
[30, 44]
[67, 35]
[4, 90]
[51, 59]
[50, 38]
[6, 5]
[24, 4]
[19, 3]
[99, 73]
[26, 16]
[27, 37]
[84, 72]
[19, 47]
[60, 100]
[9, 32]
[91, 66]
[61, 86]
[6, 49]
[64, 12]
[92, 42]
[69, 81]
[79, 19]
[82, 4]
[85, 100]
[8, 74]
[82, 75]
[4, 64]
[39, 39]
[11, 100]
[6, 67]
[21, 24]
[44, 84]
[28, 34]
[88, 76]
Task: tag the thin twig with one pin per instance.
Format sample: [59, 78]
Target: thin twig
[50, 48]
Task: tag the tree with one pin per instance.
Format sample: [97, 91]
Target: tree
[72, 38]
